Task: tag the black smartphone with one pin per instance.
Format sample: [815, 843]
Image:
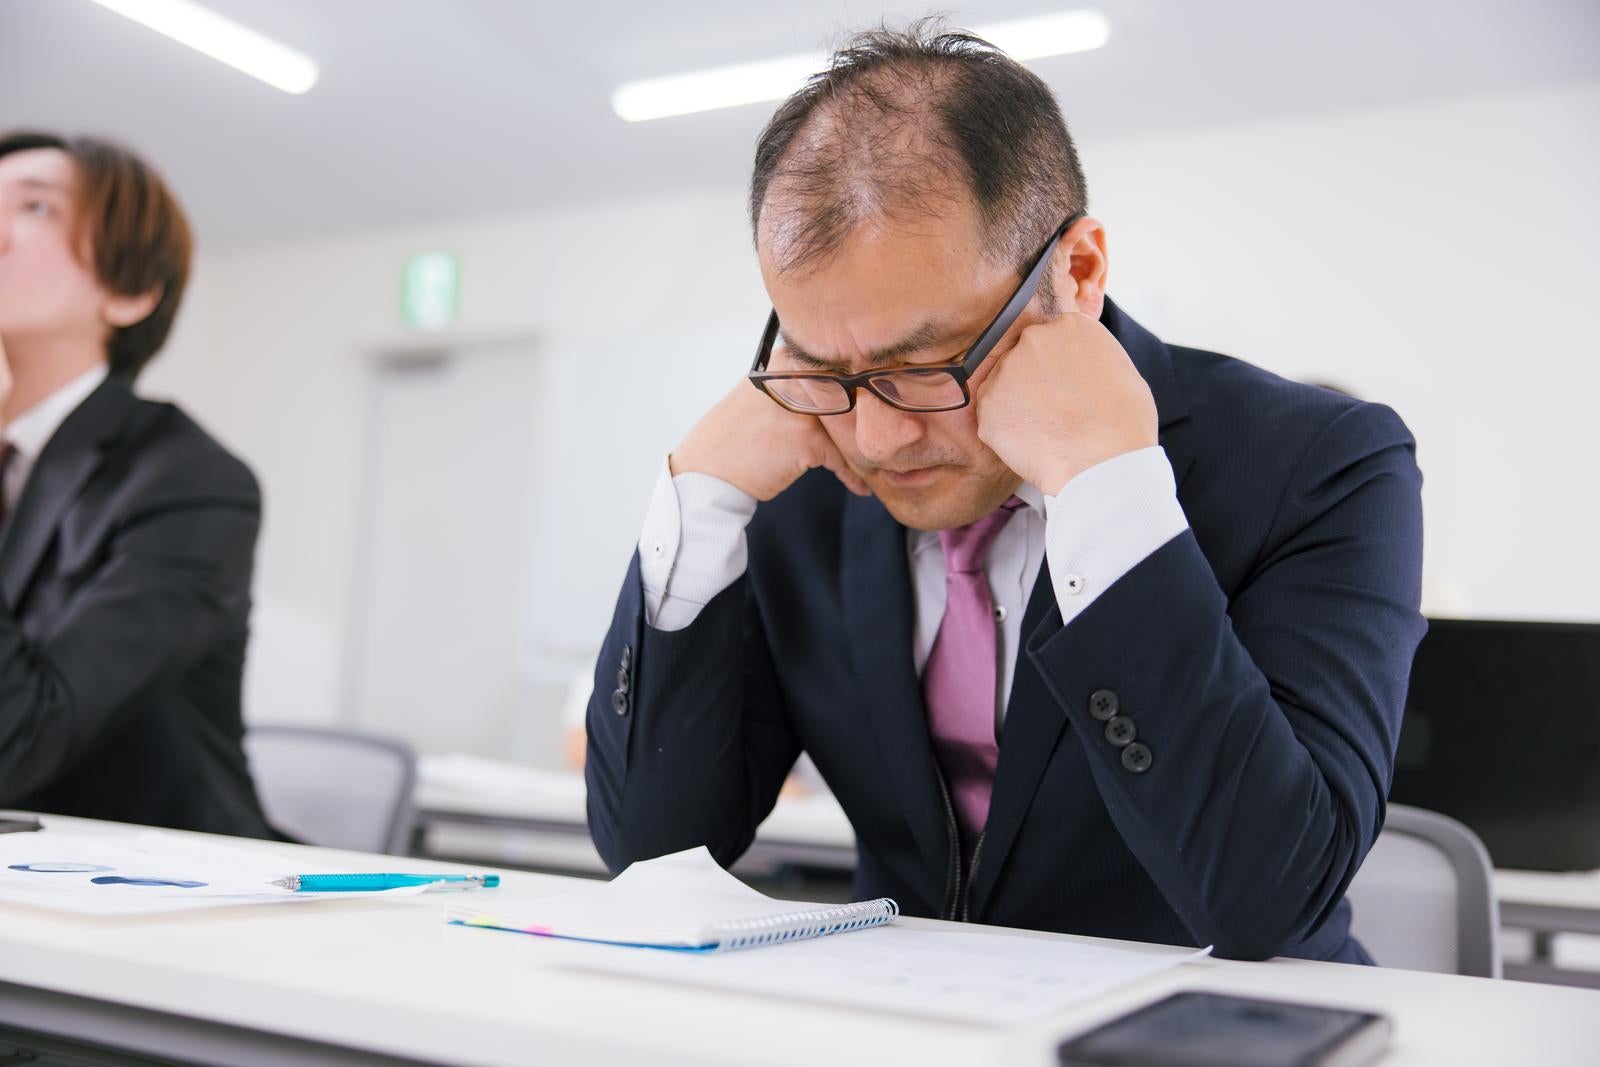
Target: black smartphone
[11, 824]
[1211, 1030]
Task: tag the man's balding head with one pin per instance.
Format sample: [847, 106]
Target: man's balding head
[901, 124]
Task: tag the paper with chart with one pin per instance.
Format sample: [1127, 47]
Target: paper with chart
[144, 873]
[991, 979]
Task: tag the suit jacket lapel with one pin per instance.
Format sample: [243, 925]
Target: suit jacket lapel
[1033, 726]
[68, 460]
[879, 609]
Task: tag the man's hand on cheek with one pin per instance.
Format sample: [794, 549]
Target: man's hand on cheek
[1065, 398]
[751, 442]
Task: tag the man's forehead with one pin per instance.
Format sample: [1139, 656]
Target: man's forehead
[39, 167]
[797, 234]
[879, 309]
[891, 346]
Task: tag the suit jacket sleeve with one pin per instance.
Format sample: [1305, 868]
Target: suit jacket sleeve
[1272, 720]
[175, 572]
[689, 739]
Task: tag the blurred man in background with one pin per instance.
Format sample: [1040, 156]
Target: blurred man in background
[127, 534]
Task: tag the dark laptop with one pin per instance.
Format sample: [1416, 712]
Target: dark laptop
[1502, 731]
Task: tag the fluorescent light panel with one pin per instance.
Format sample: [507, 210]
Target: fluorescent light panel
[773, 79]
[222, 39]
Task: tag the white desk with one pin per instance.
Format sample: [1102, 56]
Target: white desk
[348, 982]
[1550, 901]
[1548, 904]
[547, 812]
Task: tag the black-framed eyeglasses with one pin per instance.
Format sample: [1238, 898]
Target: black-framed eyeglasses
[920, 389]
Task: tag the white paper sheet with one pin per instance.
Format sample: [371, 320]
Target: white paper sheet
[58, 871]
[990, 979]
[674, 900]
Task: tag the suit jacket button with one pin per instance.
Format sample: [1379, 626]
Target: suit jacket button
[1136, 758]
[622, 679]
[619, 702]
[1103, 704]
[1120, 731]
[627, 656]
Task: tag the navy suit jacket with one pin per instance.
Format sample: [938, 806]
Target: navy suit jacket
[1262, 654]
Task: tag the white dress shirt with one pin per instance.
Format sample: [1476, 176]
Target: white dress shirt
[28, 433]
[1101, 525]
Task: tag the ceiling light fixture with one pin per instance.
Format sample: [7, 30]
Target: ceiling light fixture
[773, 79]
[222, 39]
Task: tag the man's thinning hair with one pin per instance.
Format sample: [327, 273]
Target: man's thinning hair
[879, 133]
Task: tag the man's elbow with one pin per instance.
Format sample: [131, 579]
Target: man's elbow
[1261, 930]
[1276, 921]
[1253, 945]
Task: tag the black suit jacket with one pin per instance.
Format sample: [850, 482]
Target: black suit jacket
[1262, 656]
[124, 603]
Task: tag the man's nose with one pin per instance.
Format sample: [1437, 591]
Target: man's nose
[883, 430]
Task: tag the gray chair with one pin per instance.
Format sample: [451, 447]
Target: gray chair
[1424, 899]
[335, 788]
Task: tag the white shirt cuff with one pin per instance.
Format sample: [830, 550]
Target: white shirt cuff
[1105, 522]
[692, 546]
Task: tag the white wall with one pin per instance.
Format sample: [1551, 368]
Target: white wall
[275, 353]
[1441, 257]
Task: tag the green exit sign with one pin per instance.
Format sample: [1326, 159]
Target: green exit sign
[430, 289]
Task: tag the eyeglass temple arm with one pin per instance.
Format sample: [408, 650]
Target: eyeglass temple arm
[768, 336]
[1019, 300]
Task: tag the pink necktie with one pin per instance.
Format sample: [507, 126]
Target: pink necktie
[959, 680]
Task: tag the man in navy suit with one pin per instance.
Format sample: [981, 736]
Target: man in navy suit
[1086, 632]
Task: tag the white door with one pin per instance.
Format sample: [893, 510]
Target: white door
[456, 455]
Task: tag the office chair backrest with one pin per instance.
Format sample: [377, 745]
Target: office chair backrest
[335, 788]
[1424, 898]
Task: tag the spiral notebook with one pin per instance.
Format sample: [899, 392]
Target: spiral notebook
[684, 902]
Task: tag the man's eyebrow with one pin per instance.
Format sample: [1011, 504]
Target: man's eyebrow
[928, 335]
[40, 183]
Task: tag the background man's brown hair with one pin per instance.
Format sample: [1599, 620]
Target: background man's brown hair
[133, 231]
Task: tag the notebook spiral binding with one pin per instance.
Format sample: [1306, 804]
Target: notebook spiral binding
[795, 925]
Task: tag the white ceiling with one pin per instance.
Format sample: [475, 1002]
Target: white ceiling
[430, 109]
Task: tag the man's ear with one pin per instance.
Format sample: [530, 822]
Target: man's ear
[1079, 268]
[120, 311]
